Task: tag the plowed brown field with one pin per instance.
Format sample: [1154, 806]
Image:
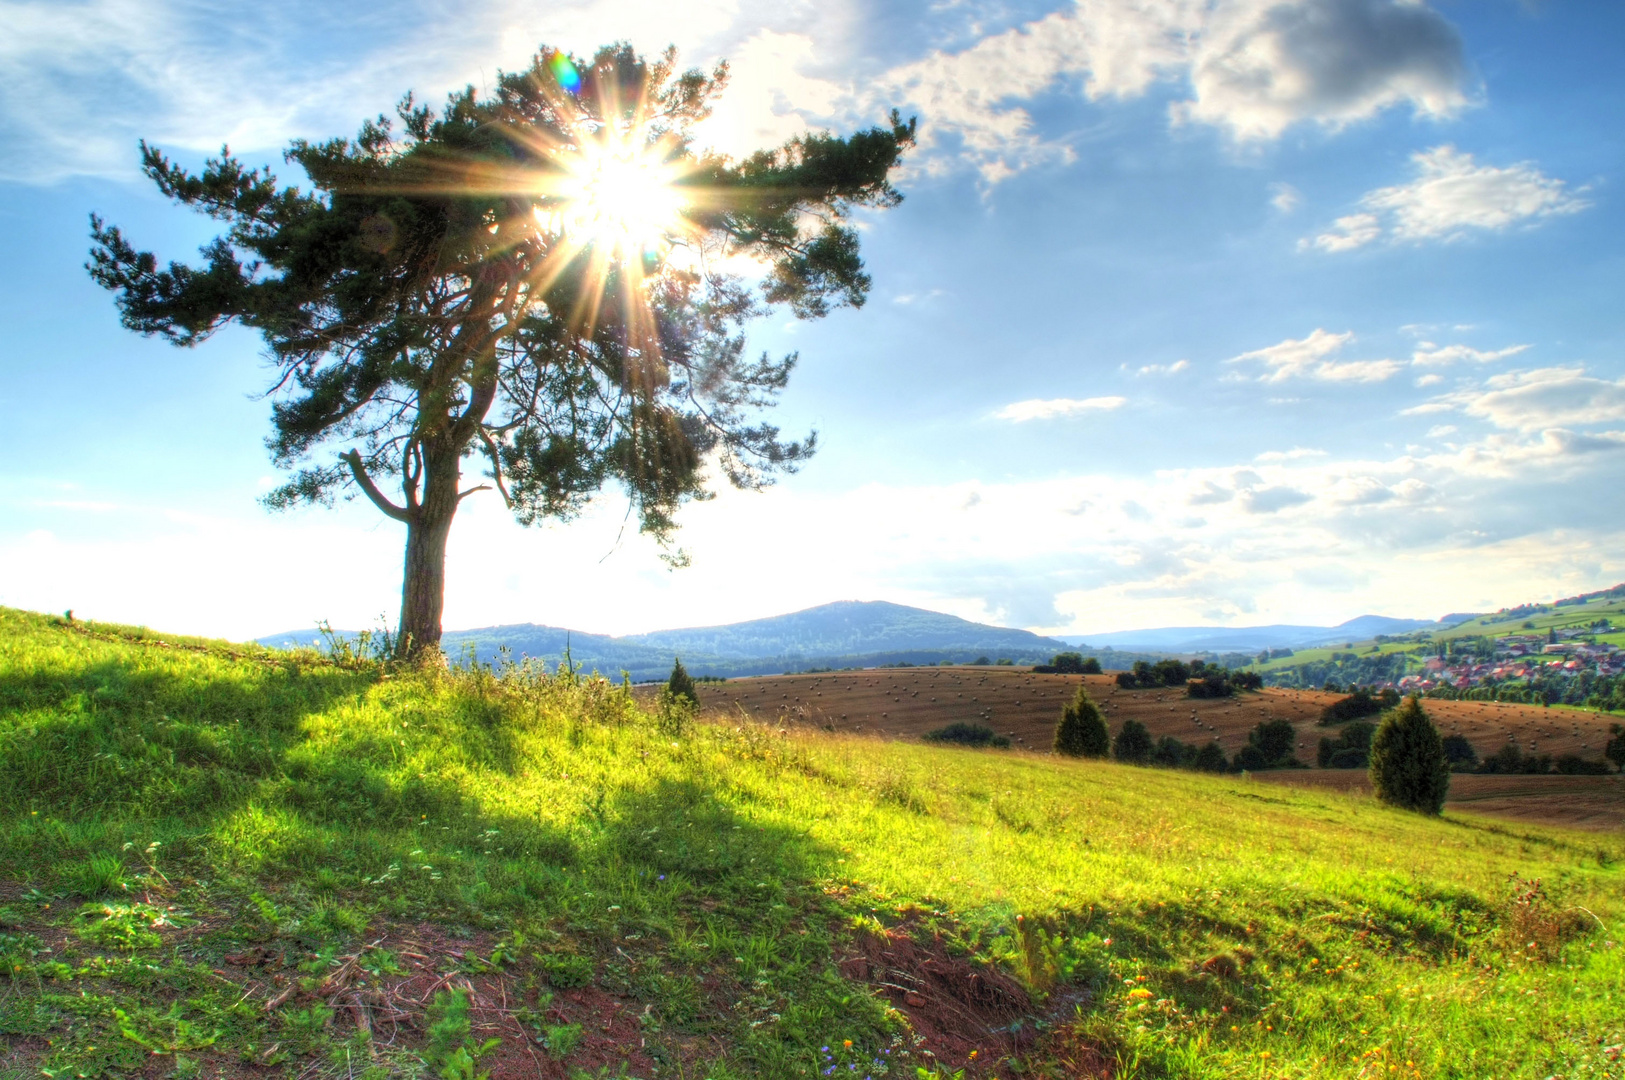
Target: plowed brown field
[905, 703]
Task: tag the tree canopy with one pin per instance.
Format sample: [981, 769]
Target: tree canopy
[544, 279]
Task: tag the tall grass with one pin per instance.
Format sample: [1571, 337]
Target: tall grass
[1191, 926]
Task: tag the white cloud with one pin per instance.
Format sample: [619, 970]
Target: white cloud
[1411, 534]
[1261, 67]
[1297, 453]
[1050, 408]
[1429, 354]
[1273, 499]
[1347, 233]
[1285, 198]
[84, 80]
[1555, 397]
[1310, 358]
[1164, 369]
[1450, 197]
[1254, 68]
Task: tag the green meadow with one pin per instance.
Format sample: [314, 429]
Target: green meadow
[170, 802]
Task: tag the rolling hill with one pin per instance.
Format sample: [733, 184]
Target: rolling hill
[850, 633]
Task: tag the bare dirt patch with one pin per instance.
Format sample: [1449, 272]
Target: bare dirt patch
[969, 1015]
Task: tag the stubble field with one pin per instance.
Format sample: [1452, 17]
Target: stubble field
[905, 703]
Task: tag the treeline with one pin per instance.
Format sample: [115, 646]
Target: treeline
[1198, 678]
[1082, 732]
[1351, 748]
[1071, 663]
[1584, 688]
[1342, 669]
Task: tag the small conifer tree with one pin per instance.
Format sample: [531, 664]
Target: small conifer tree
[1408, 765]
[680, 685]
[1082, 730]
[1133, 744]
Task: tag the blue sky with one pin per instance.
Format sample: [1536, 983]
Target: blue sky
[1233, 311]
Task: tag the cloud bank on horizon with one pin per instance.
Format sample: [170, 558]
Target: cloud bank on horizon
[1201, 310]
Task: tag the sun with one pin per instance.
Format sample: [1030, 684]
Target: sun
[619, 196]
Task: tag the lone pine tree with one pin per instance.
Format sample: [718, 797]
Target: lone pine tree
[681, 683]
[1408, 764]
[529, 279]
[1081, 731]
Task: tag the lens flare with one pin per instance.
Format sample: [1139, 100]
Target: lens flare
[564, 73]
[621, 199]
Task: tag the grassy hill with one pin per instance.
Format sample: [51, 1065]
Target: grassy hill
[220, 861]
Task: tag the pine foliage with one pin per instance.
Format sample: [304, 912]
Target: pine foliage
[1408, 765]
[681, 684]
[1082, 730]
[1133, 744]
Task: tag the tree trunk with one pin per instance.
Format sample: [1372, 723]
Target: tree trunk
[423, 589]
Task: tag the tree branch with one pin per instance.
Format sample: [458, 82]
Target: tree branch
[496, 467]
[359, 471]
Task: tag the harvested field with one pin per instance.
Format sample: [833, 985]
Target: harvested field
[905, 703]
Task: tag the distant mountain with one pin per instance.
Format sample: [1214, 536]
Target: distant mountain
[1253, 638]
[848, 633]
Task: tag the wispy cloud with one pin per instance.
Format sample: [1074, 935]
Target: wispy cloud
[1285, 198]
[1164, 369]
[1051, 408]
[1428, 354]
[1451, 197]
[1554, 397]
[1311, 358]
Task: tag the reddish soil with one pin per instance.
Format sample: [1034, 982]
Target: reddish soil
[905, 703]
[968, 1014]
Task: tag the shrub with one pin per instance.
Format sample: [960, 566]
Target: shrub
[968, 735]
[1082, 730]
[1274, 740]
[1133, 743]
[1250, 759]
[1408, 767]
[1067, 663]
[1616, 746]
[680, 685]
[1210, 758]
[1575, 765]
[1173, 753]
[1091, 665]
[981, 661]
[1509, 759]
[1359, 703]
[1458, 751]
[1350, 750]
